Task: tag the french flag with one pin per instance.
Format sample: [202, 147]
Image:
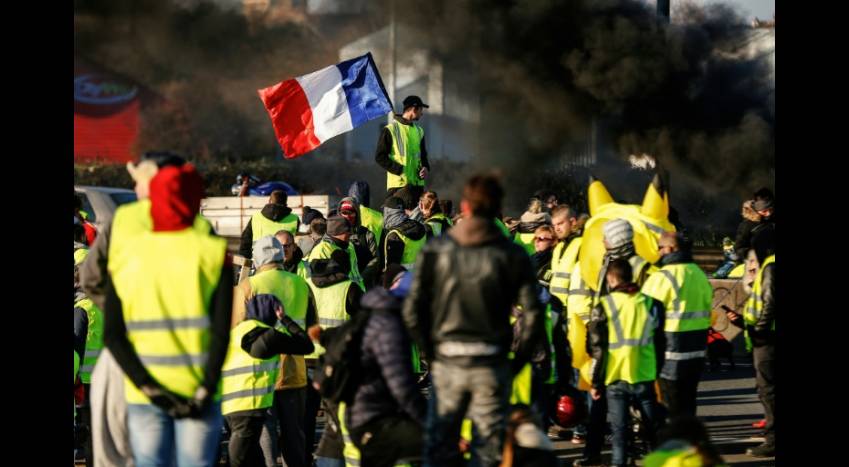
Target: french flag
[309, 110]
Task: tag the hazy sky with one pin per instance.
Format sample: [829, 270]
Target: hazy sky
[762, 9]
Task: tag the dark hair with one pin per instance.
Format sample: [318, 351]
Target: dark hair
[484, 195]
[446, 206]
[79, 234]
[765, 194]
[279, 197]
[318, 226]
[621, 269]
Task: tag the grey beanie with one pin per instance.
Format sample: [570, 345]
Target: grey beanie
[267, 250]
[337, 225]
[618, 232]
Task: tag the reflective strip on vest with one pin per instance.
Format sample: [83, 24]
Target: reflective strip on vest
[411, 249]
[685, 355]
[687, 308]
[247, 383]
[349, 452]
[165, 282]
[262, 226]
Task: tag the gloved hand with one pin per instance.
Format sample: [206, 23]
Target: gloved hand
[174, 405]
[200, 402]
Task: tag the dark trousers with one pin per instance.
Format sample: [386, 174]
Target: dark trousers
[84, 416]
[312, 406]
[679, 395]
[415, 193]
[245, 430]
[619, 396]
[597, 426]
[386, 440]
[290, 411]
[764, 359]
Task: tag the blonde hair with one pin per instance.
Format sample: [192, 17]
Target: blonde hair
[748, 212]
[535, 206]
[430, 203]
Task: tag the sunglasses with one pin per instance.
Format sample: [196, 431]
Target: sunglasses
[544, 239]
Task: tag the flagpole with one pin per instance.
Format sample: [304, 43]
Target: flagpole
[392, 55]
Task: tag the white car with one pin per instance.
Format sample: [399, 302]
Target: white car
[100, 202]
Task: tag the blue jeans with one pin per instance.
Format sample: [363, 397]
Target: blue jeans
[328, 462]
[619, 395]
[481, 393]
[158, 439]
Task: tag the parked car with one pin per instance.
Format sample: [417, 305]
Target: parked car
[100, 202]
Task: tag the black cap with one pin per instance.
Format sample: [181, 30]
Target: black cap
[414, 101]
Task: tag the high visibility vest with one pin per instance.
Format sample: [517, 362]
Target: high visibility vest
[687, 297]
[411, 249]
[640, 271]
[323, 250]
[165, 288]
[520, 392]
[675, 458]
[76, 365]
[80, 254]
[438, 223]
[372, 220]
[291, 290]
[349, 451]
[526, 241]
[563, 260]
[630, 330]
[550, 316]
[330, 308]
[262, 226]
[94, 338]
[578, 309]
[503, 228]
[406, 150]
[134, 218]
[737, 272]
[755, 305]
[247, 383]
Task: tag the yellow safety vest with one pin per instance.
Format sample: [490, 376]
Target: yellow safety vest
[80, 254]
[737, 272]
[687, 297]
[435, 224]
[247, 383]
[94, 338]
[262, 226]
[755, 303]
[630, 330]
[330, 308]
[563, 260]
[323, 250]
[166, 287]
[372, 220]
[291, 290]
[526, 241]
[411, 249]
[134, 218]
[520, 392]
[406, 150]
[674, 458]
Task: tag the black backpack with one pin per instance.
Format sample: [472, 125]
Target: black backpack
[339, 371]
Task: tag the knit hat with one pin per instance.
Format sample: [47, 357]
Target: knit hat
[348, 204]
[618, 232]
[337, 225]
[175, 194]
[267, 250]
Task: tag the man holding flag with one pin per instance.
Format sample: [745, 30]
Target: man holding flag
[401, 151]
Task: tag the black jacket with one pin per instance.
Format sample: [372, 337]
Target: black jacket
[463, 290]
[388, 387]
[267, 342]
[273, 212]
[598, 339]
[384, 149]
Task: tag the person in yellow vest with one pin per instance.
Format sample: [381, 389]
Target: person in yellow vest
[372, 219]
[405, 237]
[401, 151]
[684, 442]
[565, 253]
[363, 240]
[758, 322]
[435, 221]
[338, 238]
[687, 296]
[167, 322]
[291, 384]
[273, 217]
[337, 298]
[316, 228]
[544, 242]
[531, 219]
[250, 372]
[293, 257]
[625, 335]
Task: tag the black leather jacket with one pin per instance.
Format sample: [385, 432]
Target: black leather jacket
[464, 286]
